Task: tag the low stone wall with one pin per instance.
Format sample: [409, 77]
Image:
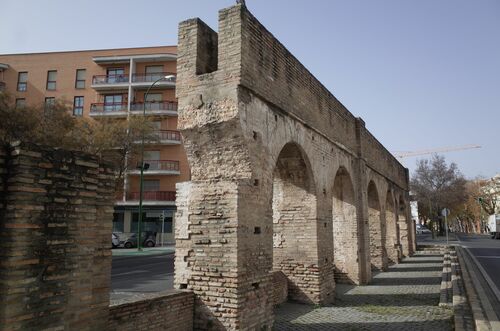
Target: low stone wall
[171, 310]
[280, 288]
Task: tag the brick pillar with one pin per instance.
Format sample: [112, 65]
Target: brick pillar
[224, 253]
[55, 262]
[361, 192]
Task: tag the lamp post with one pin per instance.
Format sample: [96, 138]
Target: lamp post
[141, 178]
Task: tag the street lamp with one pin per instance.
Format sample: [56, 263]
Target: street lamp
[141, 178]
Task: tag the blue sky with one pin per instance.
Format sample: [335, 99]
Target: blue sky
[422, 74]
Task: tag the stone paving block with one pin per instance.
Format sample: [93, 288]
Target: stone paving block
[407, 300]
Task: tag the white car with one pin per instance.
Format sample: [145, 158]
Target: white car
[115, 240]
[421, 229]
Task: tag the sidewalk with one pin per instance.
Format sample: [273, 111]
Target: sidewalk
[426, 239]
[118, 252]
[405, 297]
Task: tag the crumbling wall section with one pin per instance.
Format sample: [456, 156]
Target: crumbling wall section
[168, 311]
[55, 261]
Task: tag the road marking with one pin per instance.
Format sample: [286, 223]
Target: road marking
[488, 257]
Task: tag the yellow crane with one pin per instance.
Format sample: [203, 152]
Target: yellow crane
[404, 154]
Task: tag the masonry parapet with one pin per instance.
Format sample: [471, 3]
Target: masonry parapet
[244, 54]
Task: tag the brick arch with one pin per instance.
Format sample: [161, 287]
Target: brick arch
[345, 228]
[294, 209]
[392, 233]
[377, 252]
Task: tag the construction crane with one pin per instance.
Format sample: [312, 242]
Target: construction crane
[403, 154]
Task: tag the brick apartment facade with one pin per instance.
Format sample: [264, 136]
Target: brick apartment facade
[111, 84]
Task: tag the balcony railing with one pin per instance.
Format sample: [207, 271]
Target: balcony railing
[166, 165]
[107, 107]
[154, 106]
[168, 135]
[110, 79]
[151, 77]
[152, 196]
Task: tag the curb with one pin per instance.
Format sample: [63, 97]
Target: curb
[143, 253]
[461, 307]
[446, 297]
[483, 314]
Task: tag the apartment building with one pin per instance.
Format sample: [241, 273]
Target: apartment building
[112, 83]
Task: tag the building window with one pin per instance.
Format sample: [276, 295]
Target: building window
[117, 75]
[154, 101]
[78, 106]
[50, 103]
[80, 78]
[118, 222]
[20, 103]
[154, 72]
[22, 81]
[151, 185]
[113, 102]
[51, 79]
[150, 221]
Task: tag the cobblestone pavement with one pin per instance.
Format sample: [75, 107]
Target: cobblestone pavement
[406, 297]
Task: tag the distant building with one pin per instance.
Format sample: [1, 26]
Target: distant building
[111, 83]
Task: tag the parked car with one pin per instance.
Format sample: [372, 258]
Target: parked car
[115, 240]
[421, 229]
[148, 240]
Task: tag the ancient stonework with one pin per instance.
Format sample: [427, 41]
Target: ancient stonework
[284, 179]
[55, 224]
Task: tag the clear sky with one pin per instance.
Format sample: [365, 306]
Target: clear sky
[422, 73]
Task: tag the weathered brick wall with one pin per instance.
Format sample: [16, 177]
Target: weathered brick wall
[236, 118]
[392, 230]
[280, 288]
[155, 311]
[55, 261]
[273, 73]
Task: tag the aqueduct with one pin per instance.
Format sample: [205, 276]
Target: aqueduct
[284, 180]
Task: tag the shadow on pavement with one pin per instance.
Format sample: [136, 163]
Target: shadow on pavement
[406, 281]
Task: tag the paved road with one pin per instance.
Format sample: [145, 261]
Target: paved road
[486, 251]
[139, 274]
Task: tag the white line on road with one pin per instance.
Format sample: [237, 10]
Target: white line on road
[487, 257]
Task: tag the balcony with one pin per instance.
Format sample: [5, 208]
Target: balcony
[149, 198]
[153, 195]
[110, 82]
[108, 109]
[146, 79]
[159, 167]
[164, 137]
[154, 108]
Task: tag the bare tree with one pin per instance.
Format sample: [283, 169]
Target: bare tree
[489, 195]
[116, 141]
[437, 185]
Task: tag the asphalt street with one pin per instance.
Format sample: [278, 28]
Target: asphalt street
[486, 251]
[141, 274]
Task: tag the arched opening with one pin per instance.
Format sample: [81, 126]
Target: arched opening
[403, 226]
[375, 229]
[294, 224]
[345, 232]
[392, 240]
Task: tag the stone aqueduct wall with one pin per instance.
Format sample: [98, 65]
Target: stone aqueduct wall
[289, 194]
[284, 179]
